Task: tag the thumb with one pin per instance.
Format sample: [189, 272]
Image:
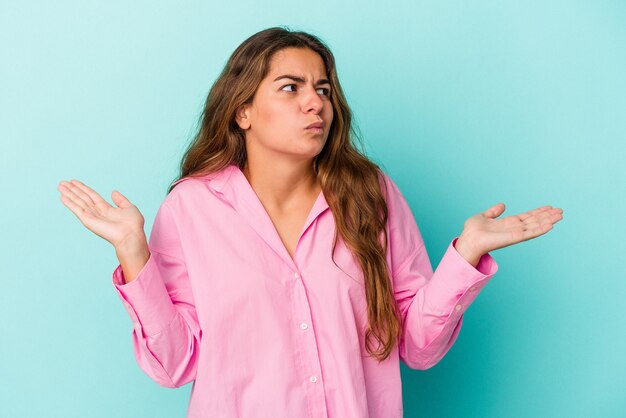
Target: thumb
[120, 200]
[495, 211]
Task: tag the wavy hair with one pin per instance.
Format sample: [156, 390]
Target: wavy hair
[351, 183]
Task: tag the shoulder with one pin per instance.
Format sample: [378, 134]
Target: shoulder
[199, 192]
[400, 213]
[404, 235]
[187, 185]
[390, 189]
[195, 186]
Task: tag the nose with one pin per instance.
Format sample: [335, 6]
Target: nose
[312, 101]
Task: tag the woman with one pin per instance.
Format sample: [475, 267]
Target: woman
[285, 274]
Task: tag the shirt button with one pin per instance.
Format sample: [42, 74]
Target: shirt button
[458, 307]
[313, 379]
[473, 288]
[296, 275]
[304, 325]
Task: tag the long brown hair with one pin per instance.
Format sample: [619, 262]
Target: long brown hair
[351, 183]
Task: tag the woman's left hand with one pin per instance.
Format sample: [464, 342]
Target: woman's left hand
[483, 233]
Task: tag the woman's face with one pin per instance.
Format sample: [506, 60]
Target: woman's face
[276, 121]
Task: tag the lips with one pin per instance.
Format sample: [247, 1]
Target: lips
[318, 125]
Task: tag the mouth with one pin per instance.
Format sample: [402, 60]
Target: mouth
[315, 131]
[316, 128]
[316, 125]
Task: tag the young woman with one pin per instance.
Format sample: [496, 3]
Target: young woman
[285, 274]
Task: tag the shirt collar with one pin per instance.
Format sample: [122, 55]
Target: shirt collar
[219, 179]
[231, 182]
[234, 188]
[216, 180]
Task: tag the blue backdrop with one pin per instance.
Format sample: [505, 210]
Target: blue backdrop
[465, 104]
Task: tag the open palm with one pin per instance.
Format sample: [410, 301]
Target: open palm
[488, 233]
[118, 225]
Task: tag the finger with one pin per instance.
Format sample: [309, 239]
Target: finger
[494, 211]
[548, 216]
[515, 222]
[79, 192]
[76, 205]
[557, 216]
[552, 216]
[120, 200]
[70, 195]
[76, 209]
[532, 213]
[538, 227]
[95, 197]
[525, 215]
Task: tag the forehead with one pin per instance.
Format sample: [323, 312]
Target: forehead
[301, 61]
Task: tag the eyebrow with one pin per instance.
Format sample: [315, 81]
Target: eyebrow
[300, 79]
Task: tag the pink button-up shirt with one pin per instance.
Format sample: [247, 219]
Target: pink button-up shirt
[220, 302]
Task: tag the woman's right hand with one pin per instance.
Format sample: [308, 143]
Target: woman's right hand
[122, 226]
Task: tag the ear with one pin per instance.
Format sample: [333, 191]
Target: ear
[241, 117]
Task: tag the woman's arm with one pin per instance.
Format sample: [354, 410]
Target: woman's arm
[132, 258]
[166, 334]
[151, 281]
[432, 304]
[159, 300]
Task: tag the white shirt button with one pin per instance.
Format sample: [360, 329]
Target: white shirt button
[458, 307]
[304, 325]
[296, 275]
[313, 379]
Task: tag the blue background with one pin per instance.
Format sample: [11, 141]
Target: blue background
[465, 104]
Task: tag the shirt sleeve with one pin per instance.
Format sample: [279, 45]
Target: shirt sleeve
[166, 333]
[432, 304]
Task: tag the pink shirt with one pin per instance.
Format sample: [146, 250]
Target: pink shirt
[220, 302]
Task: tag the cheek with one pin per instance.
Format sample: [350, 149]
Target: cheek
[276, 116]
[266, 114]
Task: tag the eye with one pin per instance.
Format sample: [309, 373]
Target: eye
[327, 91]
[288, 86]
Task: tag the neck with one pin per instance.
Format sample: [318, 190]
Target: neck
[280, 184]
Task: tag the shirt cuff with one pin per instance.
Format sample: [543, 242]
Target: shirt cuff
[146, 298]
[456, 283]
